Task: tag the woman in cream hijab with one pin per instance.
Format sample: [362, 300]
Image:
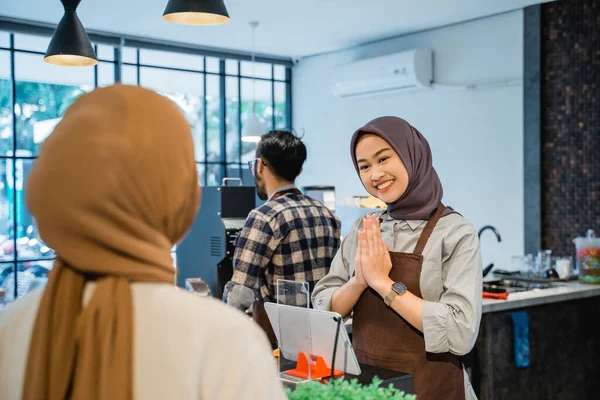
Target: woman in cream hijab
[114, 188]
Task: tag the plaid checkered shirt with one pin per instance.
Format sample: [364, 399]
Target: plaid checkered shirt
[292, 237]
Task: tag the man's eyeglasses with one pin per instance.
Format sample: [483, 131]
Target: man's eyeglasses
[252, 163]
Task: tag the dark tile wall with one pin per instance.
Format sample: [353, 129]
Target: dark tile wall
[570, 122]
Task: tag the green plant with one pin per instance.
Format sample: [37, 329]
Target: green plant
[343, 389]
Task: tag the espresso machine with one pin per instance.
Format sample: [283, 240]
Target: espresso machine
[207, 250]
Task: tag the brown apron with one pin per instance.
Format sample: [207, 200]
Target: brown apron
[259, 315]
[382, 338]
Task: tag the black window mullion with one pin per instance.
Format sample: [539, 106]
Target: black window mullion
[20, 157]
[138, 76]
[239, 111]
[222, 115]
[205, 123]
[288, 96]
[272, 96]
[96, 68]
[13, 98]
[194, 71]
[118, 62]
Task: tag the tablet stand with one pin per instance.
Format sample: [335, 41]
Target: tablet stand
[297, 294]
[318, 370]
[308, 366]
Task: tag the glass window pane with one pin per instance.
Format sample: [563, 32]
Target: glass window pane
[212, 64]
[170, 81]
[33, 274]
[261, 70]
[234, 171]
[32, 42]
[6, 134]
[260, 91]
[29, 244]
[231, 67]
[280, 116]
[129, 75]
[186, 89]
[105, 52]
[7, 211]
[214, 175]
[200, 168]
[7, 281]
[231, 120]
[44, 92]
[4, 39]
[30, 275]
[213, 118]
[106, 74]
[279, 72]
[171, 59]
[264, 109]
[129, 55]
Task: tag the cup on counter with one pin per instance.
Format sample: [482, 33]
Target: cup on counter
[543, 262]
[524, 264]
[563, 267]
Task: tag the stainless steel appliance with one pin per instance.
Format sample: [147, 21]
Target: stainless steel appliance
[207, 251]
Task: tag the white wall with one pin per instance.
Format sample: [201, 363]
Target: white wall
[476, 136]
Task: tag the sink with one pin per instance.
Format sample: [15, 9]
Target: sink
[514, 285]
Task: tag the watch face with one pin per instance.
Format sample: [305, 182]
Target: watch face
[399, 287]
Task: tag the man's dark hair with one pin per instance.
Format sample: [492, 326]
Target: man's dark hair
[283, 152]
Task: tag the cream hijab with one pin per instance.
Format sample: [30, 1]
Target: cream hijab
[115, 186]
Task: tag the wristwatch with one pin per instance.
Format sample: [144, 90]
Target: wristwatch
[398, 289]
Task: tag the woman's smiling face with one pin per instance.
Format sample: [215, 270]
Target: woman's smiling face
[381, 170]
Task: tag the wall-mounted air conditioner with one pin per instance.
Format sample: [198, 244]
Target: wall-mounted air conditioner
[399, 71]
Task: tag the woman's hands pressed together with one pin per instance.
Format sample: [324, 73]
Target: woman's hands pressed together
[372, 266]
[376, 264]
[373, 262]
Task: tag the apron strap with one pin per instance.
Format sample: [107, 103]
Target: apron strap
[429, 229]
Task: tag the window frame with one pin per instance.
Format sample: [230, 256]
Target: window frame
[118, 43]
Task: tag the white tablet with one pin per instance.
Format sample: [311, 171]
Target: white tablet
[323, 326]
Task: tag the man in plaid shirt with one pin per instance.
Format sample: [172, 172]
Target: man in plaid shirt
[291, 236]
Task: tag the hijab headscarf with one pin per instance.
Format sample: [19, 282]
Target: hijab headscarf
[424, 191]
[114, 187]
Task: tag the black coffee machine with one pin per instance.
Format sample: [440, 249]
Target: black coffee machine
[207, 251]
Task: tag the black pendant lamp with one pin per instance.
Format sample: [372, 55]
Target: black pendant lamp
[196, 12]
[70, 44]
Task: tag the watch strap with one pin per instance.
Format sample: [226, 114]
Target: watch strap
[390, 297]
[398, 289]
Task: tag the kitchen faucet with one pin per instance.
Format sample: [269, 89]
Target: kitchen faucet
[492, 229]
[489, 267]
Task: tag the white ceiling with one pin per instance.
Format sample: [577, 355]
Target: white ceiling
[287, 28]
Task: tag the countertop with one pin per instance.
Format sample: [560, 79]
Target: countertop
[562, 292]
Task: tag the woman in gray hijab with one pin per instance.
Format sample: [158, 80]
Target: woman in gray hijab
[410, 275]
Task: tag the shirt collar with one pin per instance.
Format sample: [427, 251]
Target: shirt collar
[281, 189]
[413, 223]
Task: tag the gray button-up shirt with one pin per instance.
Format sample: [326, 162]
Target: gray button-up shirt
[451, 279]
